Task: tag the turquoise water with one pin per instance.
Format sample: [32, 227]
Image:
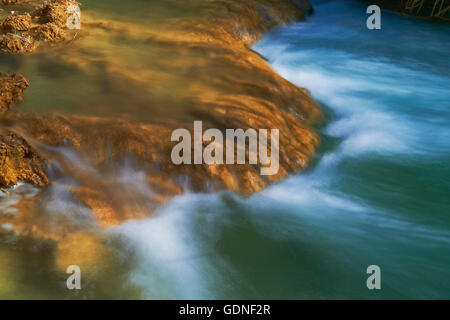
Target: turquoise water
[381, 190]
[377, 195]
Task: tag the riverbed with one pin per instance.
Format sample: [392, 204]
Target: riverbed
[377, 192]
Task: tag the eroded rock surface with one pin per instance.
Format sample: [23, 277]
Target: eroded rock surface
[201, 68]
[16, 22]
[20, 162]
[12, 87]
[22, 33]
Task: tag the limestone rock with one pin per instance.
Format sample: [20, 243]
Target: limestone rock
[16, 22]
[12, 87]
[19, 161]
[233, 87]
[50, 32]
[56, 11]
[22, 33]
[17, 43]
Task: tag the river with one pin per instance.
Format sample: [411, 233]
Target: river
[378, 192]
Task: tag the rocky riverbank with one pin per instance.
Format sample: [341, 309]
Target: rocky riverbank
[45, 23]
[202, 68]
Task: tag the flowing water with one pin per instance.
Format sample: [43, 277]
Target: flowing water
[378, 193]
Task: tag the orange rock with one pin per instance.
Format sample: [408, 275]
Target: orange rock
[50, 32]
[19, 161]
[17, 43]
[15, 22]
[12, 87]
[219, 80]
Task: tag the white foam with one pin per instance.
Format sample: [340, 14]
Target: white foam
[15, 194]
[171, 261]
[369, 97]
[7, 226]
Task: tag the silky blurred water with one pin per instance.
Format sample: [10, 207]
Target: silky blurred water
[378, 192]
[377, 195]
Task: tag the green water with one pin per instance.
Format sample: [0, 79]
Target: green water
[378, 193]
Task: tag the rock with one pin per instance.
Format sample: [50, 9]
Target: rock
[22, 33]
[232, 87]
[17, 43]
[20, 162]
[219, 80]
[56, 11]
[81, 249]
[12, 87]
[50, 32]
[15, 22]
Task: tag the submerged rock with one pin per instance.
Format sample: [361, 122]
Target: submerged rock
[218, 79]
[17, 43]
[215, 78]
[19, 161]
[55, 11]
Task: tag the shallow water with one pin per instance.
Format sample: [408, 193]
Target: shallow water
[377, 194]
[122, 69]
